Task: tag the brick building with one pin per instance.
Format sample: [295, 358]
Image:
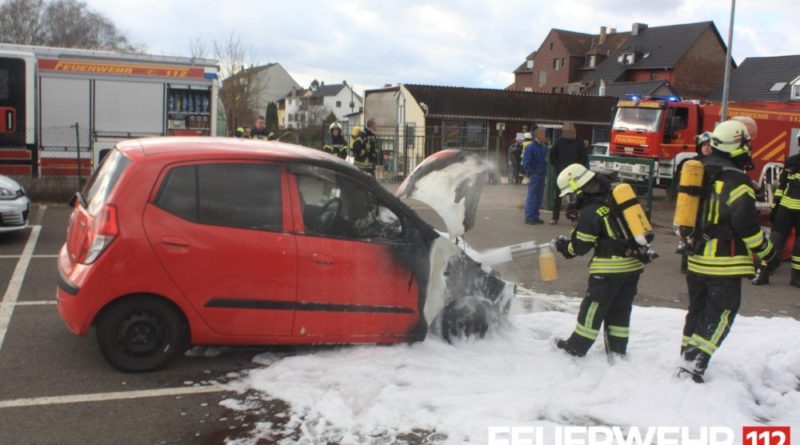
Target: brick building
[689, 57]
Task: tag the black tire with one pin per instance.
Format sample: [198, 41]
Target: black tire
[141, 334]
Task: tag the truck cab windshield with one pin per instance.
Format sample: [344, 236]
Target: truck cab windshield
[638, 119]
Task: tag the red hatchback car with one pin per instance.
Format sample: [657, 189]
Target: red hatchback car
[179, 241]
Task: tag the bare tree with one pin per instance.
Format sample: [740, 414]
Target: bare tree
[198, 49]
[242, 83]
[64, 23]
[21, 22]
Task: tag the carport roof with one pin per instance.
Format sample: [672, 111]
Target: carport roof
[502, 105]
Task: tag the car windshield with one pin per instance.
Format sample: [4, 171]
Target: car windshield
[638, 119]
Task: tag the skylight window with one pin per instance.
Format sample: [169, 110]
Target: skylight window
[777, 87]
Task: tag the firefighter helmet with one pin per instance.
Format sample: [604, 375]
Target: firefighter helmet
[573, 178]
[528, 136]
[335, 125]
[703, 138]
[731, 137]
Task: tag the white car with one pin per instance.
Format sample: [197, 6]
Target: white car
[14, 205]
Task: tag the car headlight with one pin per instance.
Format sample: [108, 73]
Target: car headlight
[6, 193]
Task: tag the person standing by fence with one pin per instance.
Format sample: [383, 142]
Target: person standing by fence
[534, 162]
[567, 150]
[514, 162]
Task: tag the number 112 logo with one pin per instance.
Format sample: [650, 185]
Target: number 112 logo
[767, 435]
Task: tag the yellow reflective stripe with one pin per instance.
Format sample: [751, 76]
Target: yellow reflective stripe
[589, 322]
[767, 250]
[711, 248]
[618, 331]
[793, 176]
[778, 193]
[730, 271]
[570, 249]
[790, 203]
[721, 260]
[703, 344]
[585, 237]
[595, 269]
[685, 341]
[585, 332]
[738, 192]
[724, 320]
[795, 262]
[608, 228]
[754, 240]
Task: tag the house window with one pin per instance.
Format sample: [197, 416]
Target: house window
[542, 78]
[796, 91]
[338, 104]
[530, 64]
[627, 59]
[557, 64]
[528, 89]
[465, 135]
[554, 90]
[551, 45]
[591, 61]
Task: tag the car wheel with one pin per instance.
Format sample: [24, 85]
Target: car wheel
[141, 334]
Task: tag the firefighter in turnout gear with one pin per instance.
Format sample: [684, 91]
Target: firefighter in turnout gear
[614, 269]
[366, 154]
[725, 237]
[335, 143]
[785, 216]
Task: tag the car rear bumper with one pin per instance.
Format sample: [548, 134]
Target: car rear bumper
[72, 307]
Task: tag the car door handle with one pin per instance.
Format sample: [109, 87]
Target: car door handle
[321, 260]
[174, 241]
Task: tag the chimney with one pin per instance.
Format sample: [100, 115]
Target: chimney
[601, 90]
[612, 31]
[638, 28]
[602, 35]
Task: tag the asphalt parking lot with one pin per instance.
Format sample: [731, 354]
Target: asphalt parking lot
[56, 388]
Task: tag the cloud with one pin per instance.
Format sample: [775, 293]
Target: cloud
[467, 42]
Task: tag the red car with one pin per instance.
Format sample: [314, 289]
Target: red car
[179, 241]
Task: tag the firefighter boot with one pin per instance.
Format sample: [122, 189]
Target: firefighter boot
[795, 278]
[696, 363]
[761, 276]
[564, 345]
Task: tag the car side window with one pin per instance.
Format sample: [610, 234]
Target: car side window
[336, 206]
[246, 196]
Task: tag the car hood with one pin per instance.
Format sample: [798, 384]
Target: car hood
[9, 183]
[450, 182]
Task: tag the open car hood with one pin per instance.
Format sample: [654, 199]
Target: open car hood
[450, 182]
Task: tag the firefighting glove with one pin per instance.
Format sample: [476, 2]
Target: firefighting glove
[774, 210]
[562, 245]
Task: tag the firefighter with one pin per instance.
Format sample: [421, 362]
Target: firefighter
[613, 271]
[785, 216]
[335, 143]
[726, 236]
[366, 154]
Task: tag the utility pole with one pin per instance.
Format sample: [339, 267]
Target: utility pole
[723, 114]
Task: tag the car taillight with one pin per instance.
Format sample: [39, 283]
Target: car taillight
[104, 229]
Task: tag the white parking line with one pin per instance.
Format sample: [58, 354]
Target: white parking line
[108, 396]
[34, 303]
[15, 284]
[5, 257]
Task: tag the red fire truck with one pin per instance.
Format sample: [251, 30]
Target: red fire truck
[45, 92]
[664, 128]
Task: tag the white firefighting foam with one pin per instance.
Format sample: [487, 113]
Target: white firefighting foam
[374, 394]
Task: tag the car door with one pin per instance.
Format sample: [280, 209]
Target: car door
[218, 230]
[351, 278]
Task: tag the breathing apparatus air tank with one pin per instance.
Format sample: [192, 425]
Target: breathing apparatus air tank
[688, 201]
[633, 214]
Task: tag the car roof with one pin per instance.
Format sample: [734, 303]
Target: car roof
[179, 148]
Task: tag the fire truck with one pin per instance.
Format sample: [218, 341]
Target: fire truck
[61, 108]
[664, 129]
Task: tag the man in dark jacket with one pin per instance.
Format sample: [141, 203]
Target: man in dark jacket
[567, 150]
[514, 162]
[534, 162]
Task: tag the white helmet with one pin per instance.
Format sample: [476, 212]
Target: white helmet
[528, 136]
[731, 137]
[335, 125]
[573, 178]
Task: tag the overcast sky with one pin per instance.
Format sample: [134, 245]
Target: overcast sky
[474, 43]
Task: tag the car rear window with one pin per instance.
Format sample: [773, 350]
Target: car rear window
[101, 184]
[244, 196]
